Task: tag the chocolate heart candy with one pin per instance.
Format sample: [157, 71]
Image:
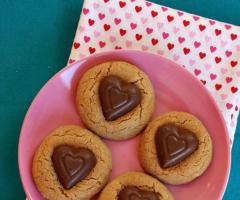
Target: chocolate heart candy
[174, 144]
[117, 97]
[134, 193]
[72, 164]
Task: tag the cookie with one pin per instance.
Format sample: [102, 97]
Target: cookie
[135, 185]
[178, 146]
[71, 163]
[115, 100]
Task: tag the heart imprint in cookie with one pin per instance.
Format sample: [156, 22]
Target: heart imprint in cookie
[174, 144]
[117, 97]
[134, 193]
[72, 164]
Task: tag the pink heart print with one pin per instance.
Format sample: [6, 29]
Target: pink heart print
[208, 49]
[144, 47]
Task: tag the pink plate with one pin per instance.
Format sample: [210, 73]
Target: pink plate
[176, 90]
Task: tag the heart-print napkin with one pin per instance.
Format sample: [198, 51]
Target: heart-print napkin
[209, 49]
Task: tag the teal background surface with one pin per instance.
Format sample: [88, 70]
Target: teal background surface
[35, 42]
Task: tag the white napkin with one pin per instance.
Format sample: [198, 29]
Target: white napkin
[209, 49]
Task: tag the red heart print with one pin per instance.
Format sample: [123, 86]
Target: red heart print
[149, 30]
[236, 108]
[218, 32]
[154, 13]
[212, 22]
[76, 45]
[91, 22]
[197, 44]
[102, 44]
[91, 50]
[233, 36]
[202, 27]
[218, 86]
[234, 63]
[164, 9]
[122, 4]
[165, 35]
[202, 55]
[196, 18]
[186, 50]
[197, 72]
[106, 27]
[71, 61]
[218, 59]
[154, 41]
[148, 4]
[122, 32]
[181, 40]
[213, 76]
[170, 46]
[234, 89]
[138, 37]
[180, 13]
[228, 26]
[170, 18]
[133, 26]
[117, 21]
[85, 11]
[213, 49]
[86, 39]
[138, 8]
[105, 1]
[203, 82]
[186, 23]
[101, 16]
[228, 53]
[118, 47]
[228, 79]
[229, 106]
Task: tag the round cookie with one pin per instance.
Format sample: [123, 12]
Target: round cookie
[67, 154]
[91, 109]
[191, 166]
[135, 184]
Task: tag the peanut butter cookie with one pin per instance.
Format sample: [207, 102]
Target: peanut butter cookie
[71, 163]
[135, 185]
[176, 148]
[115, 100]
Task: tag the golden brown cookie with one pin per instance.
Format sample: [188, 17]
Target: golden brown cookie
[108, 100]
[71, 163]
[135, 184]
[169, 150]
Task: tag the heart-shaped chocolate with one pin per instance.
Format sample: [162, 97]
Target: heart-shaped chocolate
[117, 97]
[174, 144]
[72, 164]
[134, 193]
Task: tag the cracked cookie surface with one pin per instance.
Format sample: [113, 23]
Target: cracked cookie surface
[137, 179]
[189, 168]
[89, 105]
[46, 178]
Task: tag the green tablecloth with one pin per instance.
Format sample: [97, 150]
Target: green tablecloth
[35, 41]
